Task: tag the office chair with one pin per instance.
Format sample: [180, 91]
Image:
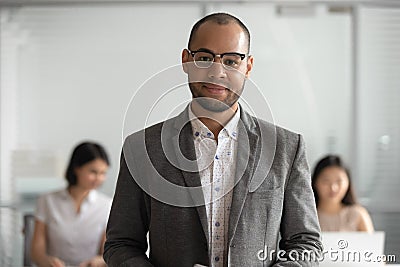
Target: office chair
[29, 225]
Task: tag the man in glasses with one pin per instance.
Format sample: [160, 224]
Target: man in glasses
[238, 190]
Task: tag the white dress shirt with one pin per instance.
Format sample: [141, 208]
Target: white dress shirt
[73, 237]
[217, 165]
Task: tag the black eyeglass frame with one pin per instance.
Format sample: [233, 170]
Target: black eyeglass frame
[193, 53]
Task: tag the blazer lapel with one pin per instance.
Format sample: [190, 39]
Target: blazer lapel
[247, 151]
[186, 161]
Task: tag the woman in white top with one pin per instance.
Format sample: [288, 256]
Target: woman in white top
[334, 195]
[70, 224]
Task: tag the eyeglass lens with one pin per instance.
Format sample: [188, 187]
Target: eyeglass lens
[206, 59]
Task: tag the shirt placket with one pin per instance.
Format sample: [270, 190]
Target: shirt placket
[216, 170]
[219, 218]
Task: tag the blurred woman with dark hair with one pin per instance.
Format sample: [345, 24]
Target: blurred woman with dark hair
[337, 206]
[70, 224]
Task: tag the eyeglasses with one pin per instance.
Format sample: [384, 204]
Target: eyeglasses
[204, 59]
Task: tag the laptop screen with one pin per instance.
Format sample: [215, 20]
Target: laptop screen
[353, 249]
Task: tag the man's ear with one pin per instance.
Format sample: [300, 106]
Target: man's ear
[185, 59]
[249, 67]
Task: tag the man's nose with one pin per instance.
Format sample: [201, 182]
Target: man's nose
[216, 69]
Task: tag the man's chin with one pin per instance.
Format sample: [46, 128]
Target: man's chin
[213, 105]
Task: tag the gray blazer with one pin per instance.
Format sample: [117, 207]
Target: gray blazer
[273, 207]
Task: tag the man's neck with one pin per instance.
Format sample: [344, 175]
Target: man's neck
[214, 121]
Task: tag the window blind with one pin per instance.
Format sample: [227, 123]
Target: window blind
[378, 123]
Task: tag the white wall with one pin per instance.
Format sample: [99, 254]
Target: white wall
[80, 66]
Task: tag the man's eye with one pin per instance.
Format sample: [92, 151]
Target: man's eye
[230, 62]
[205, 59]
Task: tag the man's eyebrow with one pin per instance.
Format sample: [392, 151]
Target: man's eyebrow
[201, 49]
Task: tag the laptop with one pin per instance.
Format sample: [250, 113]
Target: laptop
[353, 249]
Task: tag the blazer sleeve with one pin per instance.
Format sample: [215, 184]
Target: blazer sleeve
[300, 231]
[128, 223]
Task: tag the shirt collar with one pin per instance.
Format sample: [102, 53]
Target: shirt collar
[201, 131]
[92, 196]
[232, 126]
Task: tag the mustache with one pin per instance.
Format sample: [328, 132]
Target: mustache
[214, 84]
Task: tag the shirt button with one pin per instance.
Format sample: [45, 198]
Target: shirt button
[217, 224]
[216, 258]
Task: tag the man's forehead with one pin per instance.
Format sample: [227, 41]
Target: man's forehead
[229, 34]
[214, 26]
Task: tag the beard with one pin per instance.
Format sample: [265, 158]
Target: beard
[212, 104]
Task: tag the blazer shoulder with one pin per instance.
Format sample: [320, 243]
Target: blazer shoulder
[286, 142]
[282, 134]
[287, 136]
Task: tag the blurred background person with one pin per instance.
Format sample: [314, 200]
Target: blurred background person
[70, 224]
[337, 206]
